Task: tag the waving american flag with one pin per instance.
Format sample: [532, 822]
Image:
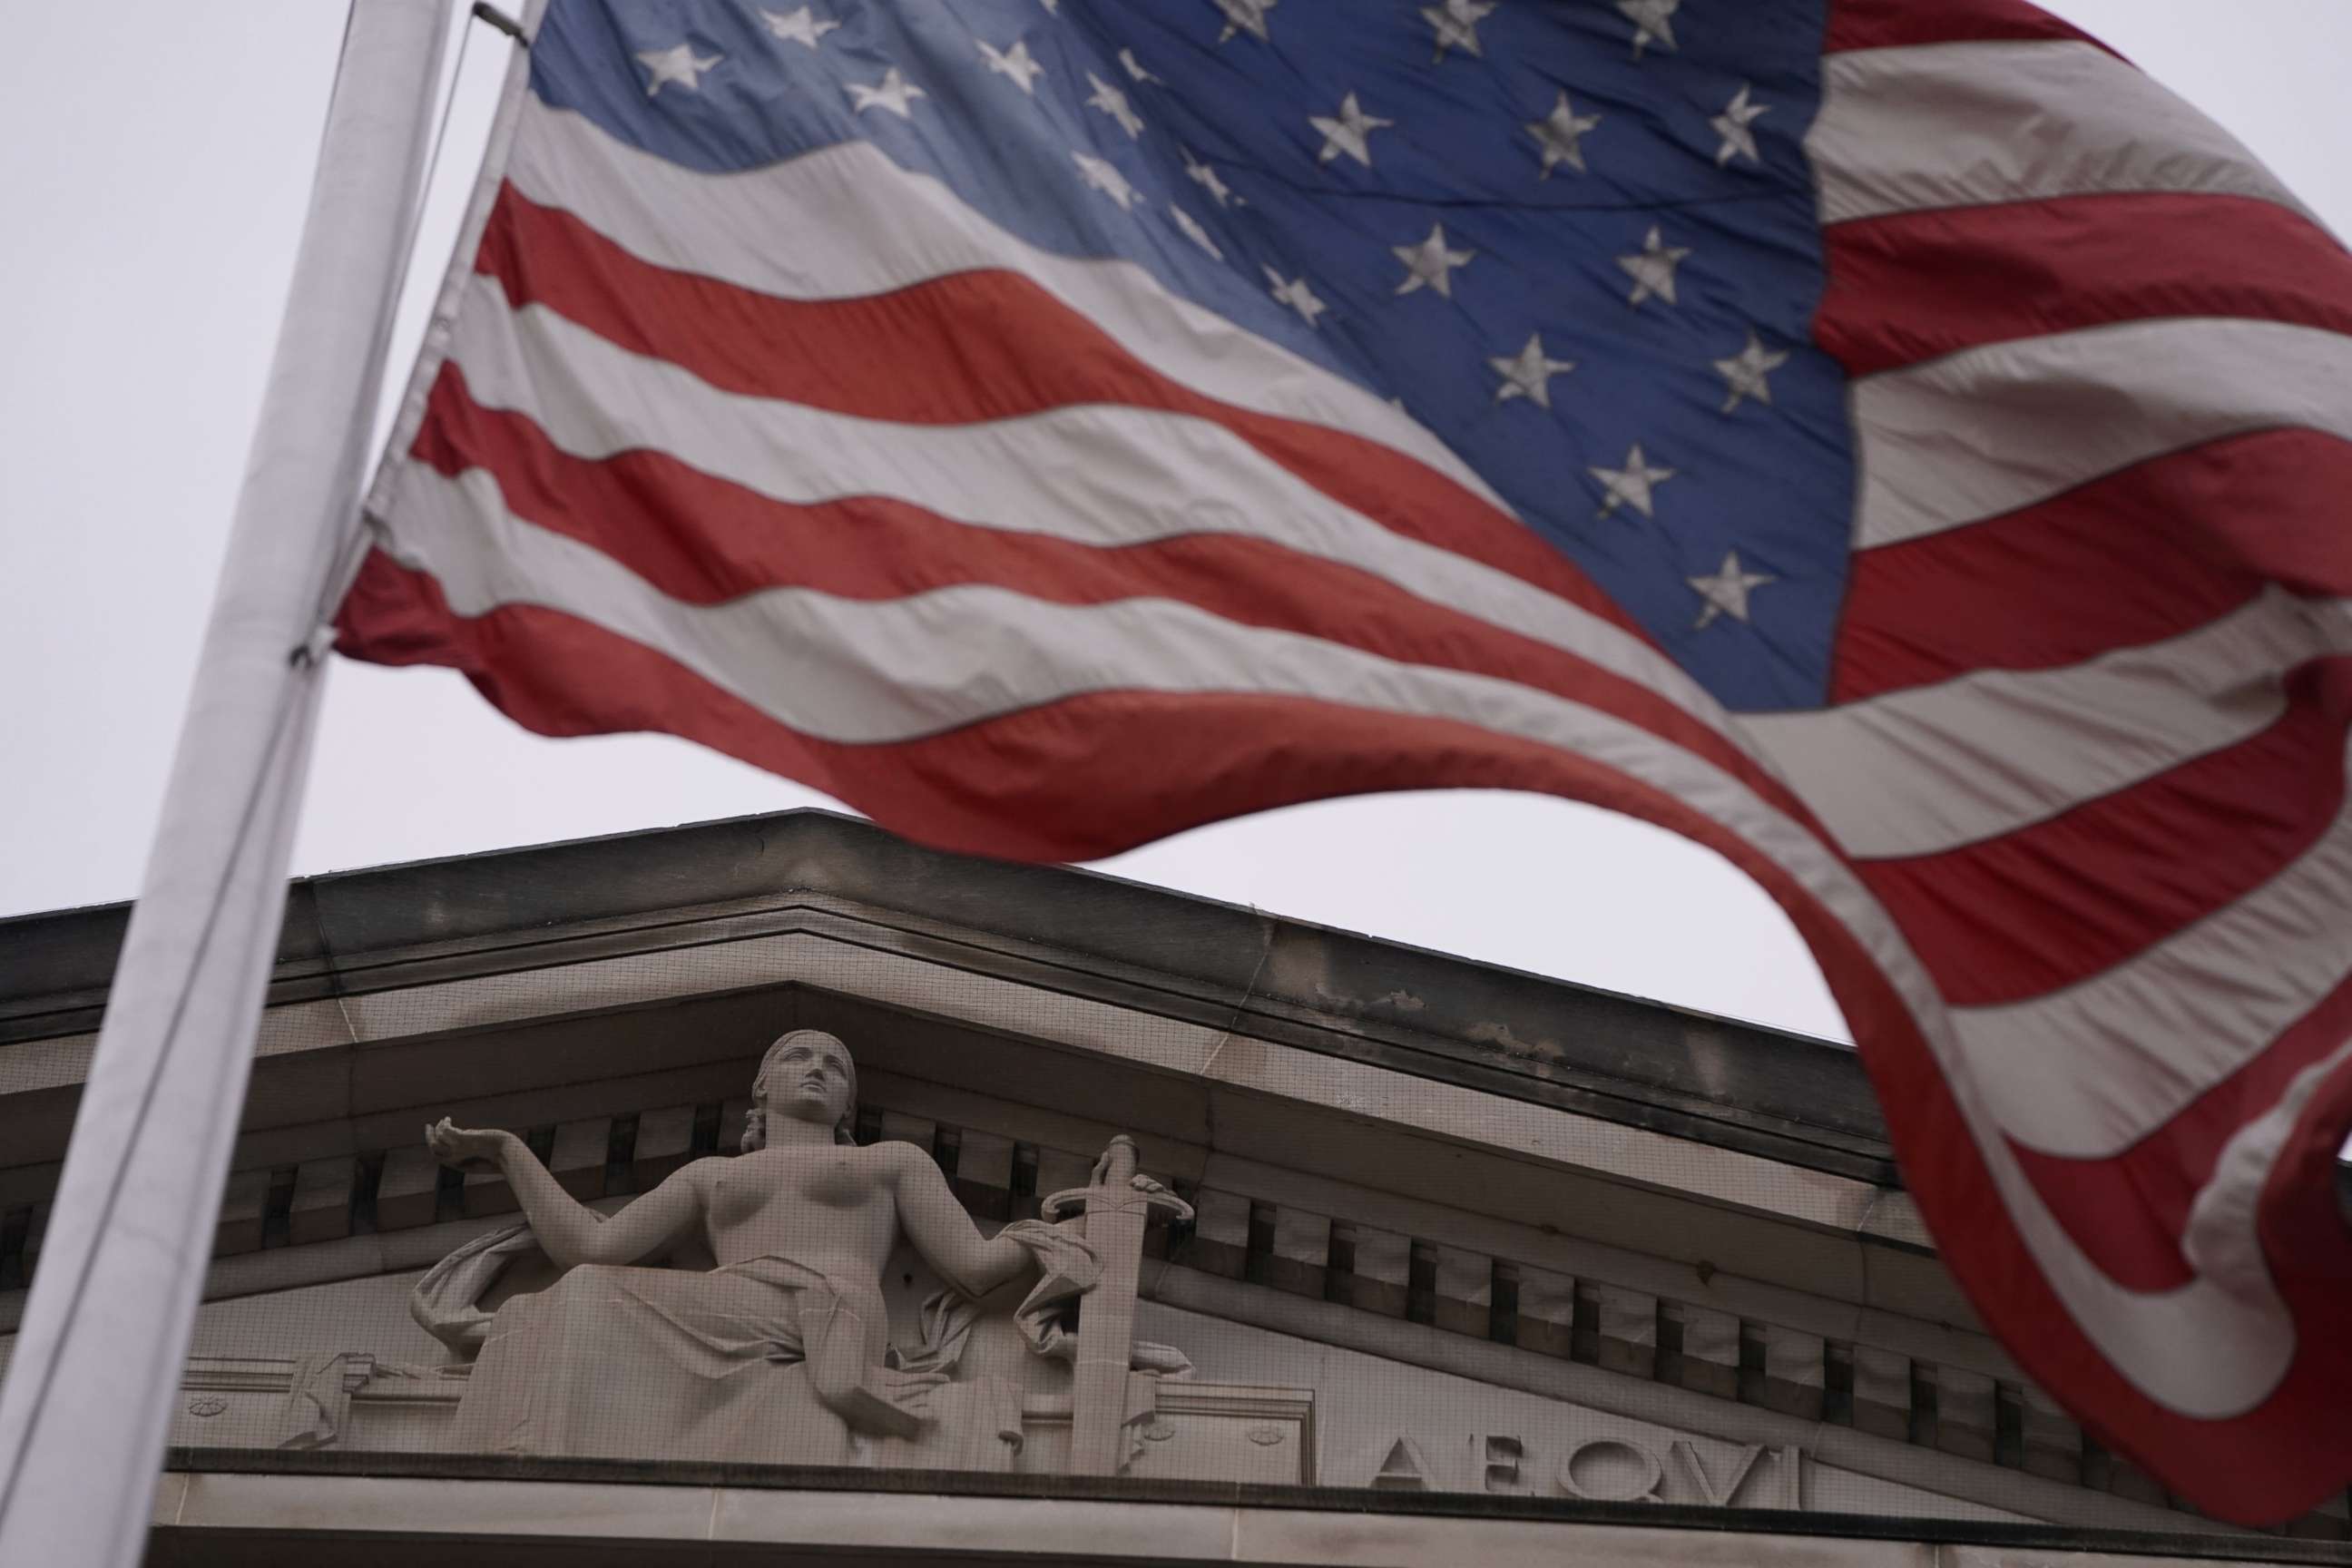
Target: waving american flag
[1896, 444]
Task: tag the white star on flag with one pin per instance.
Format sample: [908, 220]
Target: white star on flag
[1653, 267]
[1528, 373]
[1245, 16]
[1106, 178]
[1561, 135]
[801, 27]
[1194, 232]
[1747, 371]
[1295, 294]
[677, 64]
[1350, 132]
[1726, 590]
[1205, 177]
[1430, 264]
[1134, 68]
[1456, 24]
[1013, 64]
[1733, 125]
[1633, 485]
[1654, 23]
[892, 92]
[1113, 102]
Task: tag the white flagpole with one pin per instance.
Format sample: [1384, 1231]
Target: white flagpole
[96, 1373]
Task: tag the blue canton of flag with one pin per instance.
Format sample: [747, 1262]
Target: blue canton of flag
[1575, 241]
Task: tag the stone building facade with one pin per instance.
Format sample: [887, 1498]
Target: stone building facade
[1432, 1262]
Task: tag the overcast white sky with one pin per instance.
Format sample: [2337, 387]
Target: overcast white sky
[154, 162]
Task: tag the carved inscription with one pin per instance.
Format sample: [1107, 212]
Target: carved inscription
[1598, 1469]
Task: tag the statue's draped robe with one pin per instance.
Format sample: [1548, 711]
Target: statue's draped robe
[671, 1365]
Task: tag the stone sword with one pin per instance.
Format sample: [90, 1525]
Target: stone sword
[1116, 1211]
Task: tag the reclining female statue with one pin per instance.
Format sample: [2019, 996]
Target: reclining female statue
[782, 1351]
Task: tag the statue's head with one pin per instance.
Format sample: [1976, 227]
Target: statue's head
[807, 1076]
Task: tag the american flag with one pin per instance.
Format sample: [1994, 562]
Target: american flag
[1897, 444]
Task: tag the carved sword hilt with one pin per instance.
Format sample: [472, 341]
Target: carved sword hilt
[1116, 1172]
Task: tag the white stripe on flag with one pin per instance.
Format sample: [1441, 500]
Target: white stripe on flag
[867, 672]
[1964, 124]
[1097, 474]
[2093, 1069]
[2223, 1239]
[859, 223]
[1932, 768]
[1980, 435]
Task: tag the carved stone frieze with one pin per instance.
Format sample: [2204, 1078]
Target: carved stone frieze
[736, 1312]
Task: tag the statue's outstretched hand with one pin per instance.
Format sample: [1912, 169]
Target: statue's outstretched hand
[467, 1148]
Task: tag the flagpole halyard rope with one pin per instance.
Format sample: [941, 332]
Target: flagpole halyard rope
[352, 549]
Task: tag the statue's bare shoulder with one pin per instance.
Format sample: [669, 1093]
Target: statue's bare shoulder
[898, 1157]
[919, 1186]
[697, 1175]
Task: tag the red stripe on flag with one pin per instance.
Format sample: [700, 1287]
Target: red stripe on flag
[1077, 779]
[1916, 286]
[2172, 544]
[2050, 905]
[2304, 1227]
[2272, 1462]
[2129, 1213]
[875, 547]
[1896, 24]
[1015, 350]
